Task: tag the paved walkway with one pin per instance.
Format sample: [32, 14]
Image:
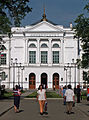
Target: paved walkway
[29, 110]
[7, 104]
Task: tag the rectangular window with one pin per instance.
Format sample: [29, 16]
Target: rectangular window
[32, 57]
[3, 59]
[55, 57]
[44, 55]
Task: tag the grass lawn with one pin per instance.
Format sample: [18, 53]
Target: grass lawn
[7, 94]
[84, 94]
[48, 94]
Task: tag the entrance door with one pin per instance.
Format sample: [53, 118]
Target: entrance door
[56, 80]
[44, 80]
[32, 81]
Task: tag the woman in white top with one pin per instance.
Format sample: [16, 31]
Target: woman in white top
[41, 97]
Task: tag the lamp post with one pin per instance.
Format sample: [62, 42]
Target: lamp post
[13, 65]
[22, 76]
[65, 69]
[74, 73]
[20, 68]
[69, 66]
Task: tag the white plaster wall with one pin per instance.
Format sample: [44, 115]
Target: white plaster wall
[19, 50]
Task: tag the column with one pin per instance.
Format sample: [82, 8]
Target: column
[26, 51]
[62, 51]
[38, 52]
[50, 53]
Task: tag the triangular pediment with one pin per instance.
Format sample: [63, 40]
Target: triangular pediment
[43, 26]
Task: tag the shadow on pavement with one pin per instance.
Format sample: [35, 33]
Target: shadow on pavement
[87, 104]
[21, 111]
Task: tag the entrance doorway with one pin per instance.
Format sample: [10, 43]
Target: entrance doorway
[44, 80]
[31, 81]
[56, 81]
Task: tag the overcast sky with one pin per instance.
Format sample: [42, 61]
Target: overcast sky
[60, 12]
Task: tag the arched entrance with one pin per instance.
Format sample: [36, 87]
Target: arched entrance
[44, 79]
[56, 80]
[31, 81]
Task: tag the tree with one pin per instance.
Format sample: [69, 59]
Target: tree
[12, 12]
[82, 33]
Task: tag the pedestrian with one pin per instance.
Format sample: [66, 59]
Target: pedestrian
[16, 95]
[69, 96]
[41, 97]
[78, 93]
[88, 93]
[64, 90]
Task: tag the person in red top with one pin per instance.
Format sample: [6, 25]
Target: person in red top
[88, 90]
[88, 93]
[16, 94]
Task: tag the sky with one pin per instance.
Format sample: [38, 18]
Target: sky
[61, 12]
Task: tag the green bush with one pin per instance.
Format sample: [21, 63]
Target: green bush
[48, 94]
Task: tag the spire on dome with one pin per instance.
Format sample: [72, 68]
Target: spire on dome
[44, 15]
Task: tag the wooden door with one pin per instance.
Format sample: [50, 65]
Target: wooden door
[56, 82]
[32, 82]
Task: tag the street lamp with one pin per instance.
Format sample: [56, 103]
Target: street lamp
[20, 68]
[13, 65]
[65, 69]
[22, 76]
[69, 66]
[75, 73]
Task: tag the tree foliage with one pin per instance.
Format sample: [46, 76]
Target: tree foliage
[82, 33]
[12, 12]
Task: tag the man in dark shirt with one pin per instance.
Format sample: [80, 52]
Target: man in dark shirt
[78, 93]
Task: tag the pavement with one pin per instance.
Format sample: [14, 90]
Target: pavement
[29, 109]
[7, 104]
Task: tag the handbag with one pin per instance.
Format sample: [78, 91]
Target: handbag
[45, 106]
[73, 104]
[87, 97]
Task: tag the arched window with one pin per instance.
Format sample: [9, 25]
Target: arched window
[55, 46]
[32, 80]
[44, 45]
[32, 45]
[2, 47]
[55, 81]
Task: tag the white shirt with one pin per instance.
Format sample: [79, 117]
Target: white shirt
[41, 94]
[69, 95]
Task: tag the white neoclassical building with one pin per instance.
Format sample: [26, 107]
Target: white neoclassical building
[41, 53]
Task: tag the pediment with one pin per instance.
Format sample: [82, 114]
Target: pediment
[43, 26]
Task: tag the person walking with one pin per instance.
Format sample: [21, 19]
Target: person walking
[64, 90]
[78, 93]
[41, 97]
[69, 96]
[16, 94]
[88, 93]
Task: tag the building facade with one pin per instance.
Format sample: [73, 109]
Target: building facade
[42, 53]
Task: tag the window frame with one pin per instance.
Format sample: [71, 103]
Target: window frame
[55, 57]
[44, 57]
[32, 57]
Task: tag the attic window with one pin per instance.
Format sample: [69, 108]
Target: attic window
[55, 46]
[32, 46]
[2, 47]
[44, 46]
